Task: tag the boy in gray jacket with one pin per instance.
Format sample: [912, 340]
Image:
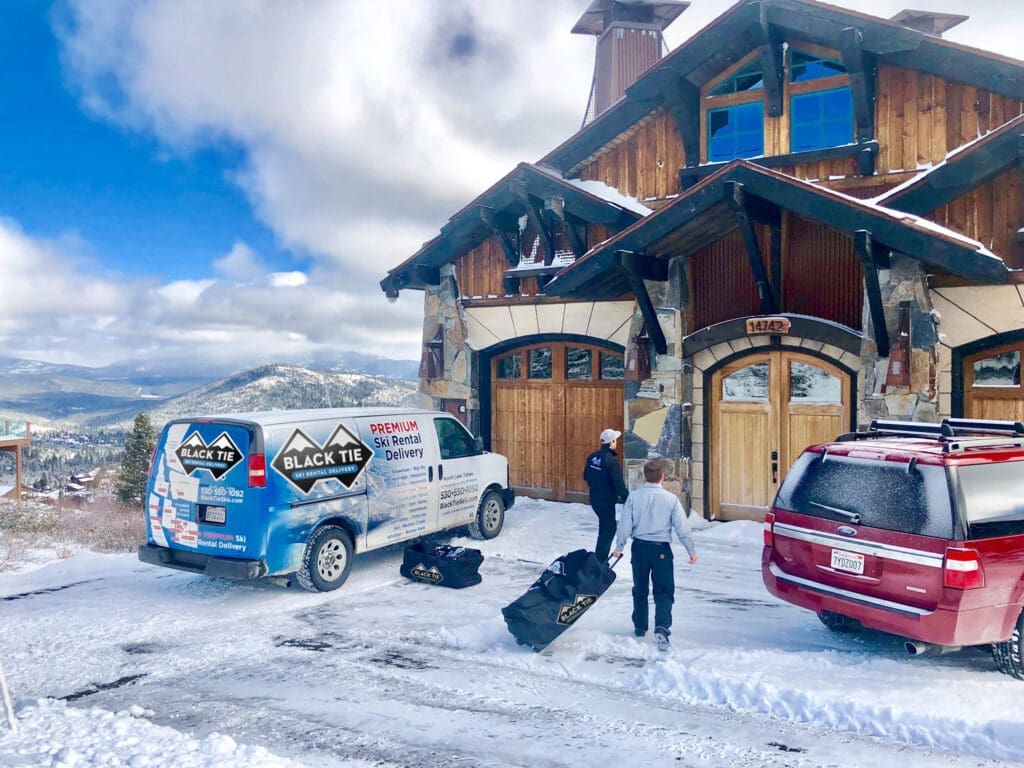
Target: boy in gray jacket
[649, 516]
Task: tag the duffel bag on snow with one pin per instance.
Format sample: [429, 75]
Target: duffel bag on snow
[555, 601]
[443, 565]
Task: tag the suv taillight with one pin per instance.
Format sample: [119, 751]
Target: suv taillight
[962, 569]
[769, 534]
[257, 470]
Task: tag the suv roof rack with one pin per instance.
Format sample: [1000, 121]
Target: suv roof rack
[955, 435]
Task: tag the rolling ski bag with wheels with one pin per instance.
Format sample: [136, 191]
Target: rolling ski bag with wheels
[563, 593]
[443, 565]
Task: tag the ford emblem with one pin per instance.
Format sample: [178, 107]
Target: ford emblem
[847, 530]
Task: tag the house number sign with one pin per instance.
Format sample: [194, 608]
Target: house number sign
[759, 325]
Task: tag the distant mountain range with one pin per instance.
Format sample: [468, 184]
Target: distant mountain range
[56, 394]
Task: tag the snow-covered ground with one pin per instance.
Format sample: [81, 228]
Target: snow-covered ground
[114, 663]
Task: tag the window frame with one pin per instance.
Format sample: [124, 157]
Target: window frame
[711, 103]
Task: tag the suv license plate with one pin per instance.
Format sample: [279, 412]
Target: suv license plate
[847, 561]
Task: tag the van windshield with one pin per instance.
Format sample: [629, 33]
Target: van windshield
[992, 497]
[878, 494]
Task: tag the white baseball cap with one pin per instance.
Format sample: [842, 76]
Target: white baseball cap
[610, 435]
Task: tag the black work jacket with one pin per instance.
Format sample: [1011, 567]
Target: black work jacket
[604, 476]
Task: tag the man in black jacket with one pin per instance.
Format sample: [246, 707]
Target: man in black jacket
[604, 476]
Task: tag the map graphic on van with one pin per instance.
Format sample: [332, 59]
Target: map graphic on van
[304, 462]
[217, 458]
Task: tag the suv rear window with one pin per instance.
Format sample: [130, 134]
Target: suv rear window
[992, 498]
[878, 494]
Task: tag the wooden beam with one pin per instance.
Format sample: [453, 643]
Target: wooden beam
[536, 216]
[689, 176]
[862, 82]
[427, 275]
[863, 245]
[769, 53]
[633, 271]
[1020, 178]
[738, 204]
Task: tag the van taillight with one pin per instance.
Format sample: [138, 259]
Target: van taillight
[963, 569]
[769, 534]
[257, 470]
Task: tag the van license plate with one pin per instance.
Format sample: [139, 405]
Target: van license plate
[847, 561]
[220, 515]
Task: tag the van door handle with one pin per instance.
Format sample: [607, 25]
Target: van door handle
[430, 474]
[440, 471]
[775, 467]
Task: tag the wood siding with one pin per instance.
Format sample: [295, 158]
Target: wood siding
[990, 214]
[811, 251]
[919, 118]
[722, 285]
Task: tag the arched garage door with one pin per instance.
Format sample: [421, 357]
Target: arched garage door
[992, 386]
[549, 403]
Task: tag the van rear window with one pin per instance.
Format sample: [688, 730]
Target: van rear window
[992, 498]
[878, 494]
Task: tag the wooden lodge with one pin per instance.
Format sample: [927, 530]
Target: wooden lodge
[14, 437]
[830, 229]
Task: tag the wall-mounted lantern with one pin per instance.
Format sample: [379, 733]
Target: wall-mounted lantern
[432, 359]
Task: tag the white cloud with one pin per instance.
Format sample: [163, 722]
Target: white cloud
[240, 264]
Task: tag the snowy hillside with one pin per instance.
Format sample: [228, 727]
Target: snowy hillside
[115, 663]
[286, 387]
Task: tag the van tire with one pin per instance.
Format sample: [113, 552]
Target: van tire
[836, 622]
[1008, 656]
[490, 517]
[327, 560]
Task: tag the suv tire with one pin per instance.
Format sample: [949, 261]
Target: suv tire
[844, 625]
[1008, 656]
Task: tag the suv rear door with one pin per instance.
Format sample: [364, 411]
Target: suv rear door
[875, 529]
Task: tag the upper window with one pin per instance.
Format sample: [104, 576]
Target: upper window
[510, 367]
[821, 119]
[540, 363]
[578, 364]
[736, 132]
[806, 66]
[1001, 370]
[748, 78]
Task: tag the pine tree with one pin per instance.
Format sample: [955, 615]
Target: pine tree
[138, 447]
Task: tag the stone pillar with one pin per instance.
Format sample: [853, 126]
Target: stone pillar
[441, 308]
[658, 409]
[904, 283]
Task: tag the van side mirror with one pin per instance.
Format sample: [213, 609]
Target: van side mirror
[478, 443]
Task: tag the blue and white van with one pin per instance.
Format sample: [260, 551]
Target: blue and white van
[296, 494]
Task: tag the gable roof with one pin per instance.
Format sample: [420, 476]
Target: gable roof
[703, 215]
[962, 170]
[589, 201]
[747, 25]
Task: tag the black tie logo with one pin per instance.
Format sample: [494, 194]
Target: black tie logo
[430, 575]
[304, 462]
[217, 458]
[569, 613]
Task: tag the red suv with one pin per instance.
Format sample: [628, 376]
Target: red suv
[913, 529]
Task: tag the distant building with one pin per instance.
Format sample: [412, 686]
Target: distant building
[14, 436]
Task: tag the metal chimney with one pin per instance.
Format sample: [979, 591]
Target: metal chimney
[629, 42]
[929, 22]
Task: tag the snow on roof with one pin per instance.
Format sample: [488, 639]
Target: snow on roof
[601, 190]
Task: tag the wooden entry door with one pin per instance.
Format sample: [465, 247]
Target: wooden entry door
[765, 409]
[992, 387]
[549, 404]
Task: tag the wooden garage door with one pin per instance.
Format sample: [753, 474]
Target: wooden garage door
[992, 384]
[549, 404]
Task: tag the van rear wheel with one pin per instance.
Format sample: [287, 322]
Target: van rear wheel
[490, 517]
[327, 560]
[1008, 656]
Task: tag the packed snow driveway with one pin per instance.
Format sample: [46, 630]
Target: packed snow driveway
[393, 673]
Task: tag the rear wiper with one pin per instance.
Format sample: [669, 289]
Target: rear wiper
[853, 517]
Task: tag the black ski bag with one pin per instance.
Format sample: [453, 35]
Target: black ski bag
[555, 601]
[443, 565]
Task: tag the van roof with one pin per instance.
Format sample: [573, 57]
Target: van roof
[273, 418]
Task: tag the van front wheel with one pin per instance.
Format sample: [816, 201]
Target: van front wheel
[327, 560]
[490, 517]
[1008, 656]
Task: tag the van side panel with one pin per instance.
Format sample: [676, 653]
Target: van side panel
[315, 474]
[198, 497]
[401, 478]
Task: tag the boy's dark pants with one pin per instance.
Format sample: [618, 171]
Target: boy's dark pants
[652, 562]
[605, 530]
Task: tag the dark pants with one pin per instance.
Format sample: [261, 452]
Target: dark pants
[652, 562]
[605, 530]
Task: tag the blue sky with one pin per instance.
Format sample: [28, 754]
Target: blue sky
[223, 184]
